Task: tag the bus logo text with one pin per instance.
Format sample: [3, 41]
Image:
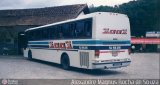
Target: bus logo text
[108, 31]
[65, 45]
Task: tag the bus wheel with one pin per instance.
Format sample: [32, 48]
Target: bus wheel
[65, 62]
[29, 55]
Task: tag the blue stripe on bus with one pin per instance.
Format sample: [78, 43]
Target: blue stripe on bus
[98, 47]
[85, 47]
[101, 42]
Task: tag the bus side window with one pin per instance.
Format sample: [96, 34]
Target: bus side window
[65, 31]
[79, 31]
[72, 30]
[40, 34]
[88, 29]
[51, 32]
[44, 33]
[59, 32]
[35, 35]
[68, 30]
[47, 36]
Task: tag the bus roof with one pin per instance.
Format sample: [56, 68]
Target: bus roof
[78, 18]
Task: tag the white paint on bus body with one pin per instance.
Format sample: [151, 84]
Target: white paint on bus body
[110, 36]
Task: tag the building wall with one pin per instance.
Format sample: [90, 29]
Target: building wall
[9, 38]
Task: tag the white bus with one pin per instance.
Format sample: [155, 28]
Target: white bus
[98, 40]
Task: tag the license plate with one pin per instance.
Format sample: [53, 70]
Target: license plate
[117, 64]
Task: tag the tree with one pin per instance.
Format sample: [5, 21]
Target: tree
[143, 15]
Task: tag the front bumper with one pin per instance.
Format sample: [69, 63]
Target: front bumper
[110, 65]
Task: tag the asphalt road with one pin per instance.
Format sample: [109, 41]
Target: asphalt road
[143, 66]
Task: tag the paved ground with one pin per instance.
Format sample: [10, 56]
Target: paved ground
[143, 66]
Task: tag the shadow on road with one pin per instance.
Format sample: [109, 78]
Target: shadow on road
[95, 72]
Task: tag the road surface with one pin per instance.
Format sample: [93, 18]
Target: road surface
[143, 66]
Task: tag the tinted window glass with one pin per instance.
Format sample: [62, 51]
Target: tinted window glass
[88, 28]
[77, 29]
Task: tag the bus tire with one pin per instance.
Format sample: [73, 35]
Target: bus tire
[65, 62]
[29, 55]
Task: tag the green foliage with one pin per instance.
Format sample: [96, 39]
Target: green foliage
[143, 14]
[102, 9]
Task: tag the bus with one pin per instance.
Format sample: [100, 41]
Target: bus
[99, 40]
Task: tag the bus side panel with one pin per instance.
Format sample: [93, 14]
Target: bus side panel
[55, 56]
[76, 56]
[45, 55]
[73, 57]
